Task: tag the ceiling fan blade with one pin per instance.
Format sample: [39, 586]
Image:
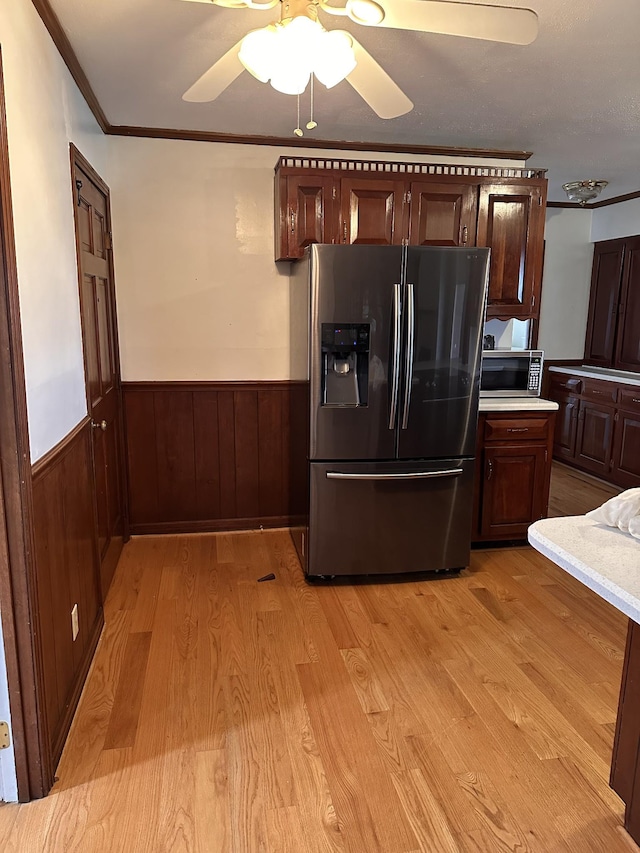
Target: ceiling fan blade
[217, 78]
[495, 23]
[374, 85]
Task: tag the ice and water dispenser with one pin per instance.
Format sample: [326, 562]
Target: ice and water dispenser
[345, 364]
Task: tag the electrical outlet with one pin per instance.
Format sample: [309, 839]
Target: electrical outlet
[74, 621]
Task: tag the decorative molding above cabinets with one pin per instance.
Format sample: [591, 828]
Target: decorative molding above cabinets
[421, 204]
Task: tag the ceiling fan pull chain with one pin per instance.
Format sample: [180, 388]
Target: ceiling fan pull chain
[298, 130]
[311, 123]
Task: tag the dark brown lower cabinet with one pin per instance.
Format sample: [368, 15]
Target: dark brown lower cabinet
[625, 761]
[598, 427]
[512, 474]
[626, 439]
[566, 429]
[594, 437]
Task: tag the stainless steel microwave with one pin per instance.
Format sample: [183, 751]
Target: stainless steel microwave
[511, 373]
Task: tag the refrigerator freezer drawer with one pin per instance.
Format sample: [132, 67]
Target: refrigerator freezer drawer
[372, 518]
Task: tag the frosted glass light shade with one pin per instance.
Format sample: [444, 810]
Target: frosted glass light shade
[256, 52]
[335, 58]
[287, 54]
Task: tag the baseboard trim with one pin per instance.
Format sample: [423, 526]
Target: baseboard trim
[217, 525]
[58, 741]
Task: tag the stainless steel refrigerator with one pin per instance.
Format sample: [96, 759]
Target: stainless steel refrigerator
[392, 357]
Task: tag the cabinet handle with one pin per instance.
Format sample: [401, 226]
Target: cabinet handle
[635, 400]
[489, 469]
[517, 429]
[293, 222]
[344, 233]
[465, 235]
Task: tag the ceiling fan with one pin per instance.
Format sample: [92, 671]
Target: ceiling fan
[287, 52]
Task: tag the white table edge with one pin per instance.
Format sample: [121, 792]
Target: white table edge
[604, 587]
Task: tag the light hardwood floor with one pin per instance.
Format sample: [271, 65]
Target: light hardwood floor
[221, 714]
[574, 493]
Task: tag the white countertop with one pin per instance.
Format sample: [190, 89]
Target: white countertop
[603, 558]
[623, 376]
[516, 404]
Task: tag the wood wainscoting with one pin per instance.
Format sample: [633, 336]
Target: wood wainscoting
[214, 455]
[67, 566]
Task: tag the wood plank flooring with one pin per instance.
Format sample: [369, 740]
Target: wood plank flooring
[574, 493]
[221, 714]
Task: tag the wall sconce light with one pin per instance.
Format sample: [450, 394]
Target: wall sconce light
[583, 191]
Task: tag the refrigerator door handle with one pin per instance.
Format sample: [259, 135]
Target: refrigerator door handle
[395, 358]
[413, 475]
[408, 364]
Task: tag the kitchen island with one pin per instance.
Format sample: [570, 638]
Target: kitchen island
[608, 562]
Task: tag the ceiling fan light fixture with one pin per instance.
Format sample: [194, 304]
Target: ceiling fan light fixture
[335, 58]
[286, 54]
[365, 12]
[583, 191]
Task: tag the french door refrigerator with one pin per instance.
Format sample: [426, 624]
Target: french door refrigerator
[393, 361]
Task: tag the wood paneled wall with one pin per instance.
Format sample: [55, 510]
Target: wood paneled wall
[214, 455]
[67, 574]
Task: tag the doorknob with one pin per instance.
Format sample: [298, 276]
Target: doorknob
[102, 425]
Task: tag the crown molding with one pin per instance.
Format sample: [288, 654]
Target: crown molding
[322, 144]
[54, 27]
[572, 205]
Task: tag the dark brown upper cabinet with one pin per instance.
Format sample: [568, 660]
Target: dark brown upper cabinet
[380, 203]
[305, 214]
[371, 211]
[612, 338]
[511, 221]
[442, 214]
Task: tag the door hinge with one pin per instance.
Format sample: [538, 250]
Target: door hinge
[615, 417]
[546, 455]
[108, 241]
[5, 738]
[539, 201]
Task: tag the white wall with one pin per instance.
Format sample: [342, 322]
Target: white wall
[616, 220]
[199, 295]
[566, 283]
[44, 112]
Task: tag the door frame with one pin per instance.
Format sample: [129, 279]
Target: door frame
[18, 578]
[78, 159]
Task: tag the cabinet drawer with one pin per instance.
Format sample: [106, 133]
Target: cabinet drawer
[629, 398]
[563, 384]
[601, 392]
[499, 429]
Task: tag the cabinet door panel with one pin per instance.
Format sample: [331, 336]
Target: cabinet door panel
[564, 438]
[595, 435]
[442, 214]
[514, 489]
[309, 218]
[628, 335]
[371, 211]
[603, 303]
[511, 222]
[626, 450]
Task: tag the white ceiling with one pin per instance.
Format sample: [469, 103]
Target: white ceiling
[572, 97]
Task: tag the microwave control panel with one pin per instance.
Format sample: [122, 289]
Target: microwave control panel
[535, 373]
